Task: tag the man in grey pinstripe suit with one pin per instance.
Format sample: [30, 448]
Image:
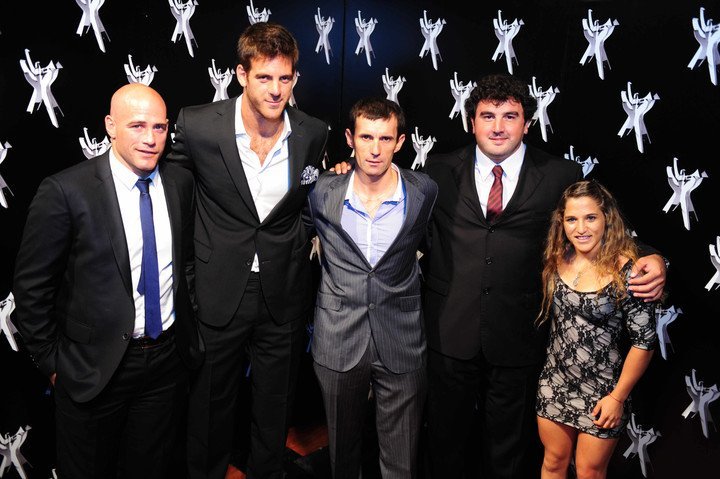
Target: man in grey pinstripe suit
[368, 316]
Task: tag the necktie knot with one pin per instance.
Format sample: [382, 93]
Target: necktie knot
[143, 184]
[497, 171]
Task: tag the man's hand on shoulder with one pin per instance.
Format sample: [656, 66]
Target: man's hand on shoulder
[342, 168]
[647, 279]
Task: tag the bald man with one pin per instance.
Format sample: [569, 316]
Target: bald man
[103, 287]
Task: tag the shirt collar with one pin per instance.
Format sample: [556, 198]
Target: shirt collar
[124, 175]
[510, 165]
[397, 196]
[240, 130]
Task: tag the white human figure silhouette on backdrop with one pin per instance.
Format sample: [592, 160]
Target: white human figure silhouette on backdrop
[91, 19]
[460, 92]
[683, 185]
[430, 31]
[4, 147]
[364, 29]
[182, 11]
[596, 34]
[136, 75]
[41, 79]
[91, 147]
[220, 81]
[544, 98]
[255, 15]
[323, 27]
[505, 33]
[392, 86]
[587, 164]
[707, 35]
[636, 108]
[422, 147]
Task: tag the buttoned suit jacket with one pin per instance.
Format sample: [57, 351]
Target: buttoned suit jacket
[483, 279]
[355, 300]
[228, 231]
[73, 287]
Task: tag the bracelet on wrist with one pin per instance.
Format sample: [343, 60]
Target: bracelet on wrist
[610, 395]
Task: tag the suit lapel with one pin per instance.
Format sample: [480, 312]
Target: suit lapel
[465, 179]
[224, 124]
[296, 148]
[107, 203]
[530, 178]
[172, 197]
[333, 205]
[413, 201]
[296, 161]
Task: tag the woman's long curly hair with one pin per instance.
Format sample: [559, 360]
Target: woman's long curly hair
[616, 241]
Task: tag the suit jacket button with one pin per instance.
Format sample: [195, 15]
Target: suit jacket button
[486, 291]
[248, 262]
[371, 274]
[488, 260]
[126, 336]
[371, 306]
[492, 230]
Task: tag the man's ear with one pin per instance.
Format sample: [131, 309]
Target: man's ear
[349, 138]
[241, 75]
[110, 127]
[401, 140]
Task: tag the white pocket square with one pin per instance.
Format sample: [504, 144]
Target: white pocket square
[309, 175]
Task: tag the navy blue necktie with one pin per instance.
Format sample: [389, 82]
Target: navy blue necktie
[149, 284]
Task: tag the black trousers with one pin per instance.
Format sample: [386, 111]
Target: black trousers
[274, 352]
[130, 429]
[498, 401]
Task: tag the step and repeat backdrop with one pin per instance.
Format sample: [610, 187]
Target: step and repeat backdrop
[628, 89]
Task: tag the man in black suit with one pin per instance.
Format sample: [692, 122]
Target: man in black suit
[254, 161]
[483, 287]
[105, 315]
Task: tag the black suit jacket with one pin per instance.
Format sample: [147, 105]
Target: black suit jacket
[73, 288]
[483, 284]
[228, 231]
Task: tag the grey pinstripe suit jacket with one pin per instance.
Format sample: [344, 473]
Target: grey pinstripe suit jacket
[355, 300]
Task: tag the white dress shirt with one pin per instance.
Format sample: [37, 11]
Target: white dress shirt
[270, 182]
[128, 196]
[484, 177]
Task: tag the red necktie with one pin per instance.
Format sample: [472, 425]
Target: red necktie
[494, 204]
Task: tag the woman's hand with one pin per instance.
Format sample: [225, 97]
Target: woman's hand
[608, 413]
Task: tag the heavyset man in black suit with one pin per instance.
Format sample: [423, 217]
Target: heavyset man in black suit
[119, 389]
[483, 288]
[254, 161]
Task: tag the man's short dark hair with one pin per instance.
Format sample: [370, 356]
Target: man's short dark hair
[268, 40]
[499, 88]
[376, 109]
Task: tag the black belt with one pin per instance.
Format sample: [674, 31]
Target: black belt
[144, 342]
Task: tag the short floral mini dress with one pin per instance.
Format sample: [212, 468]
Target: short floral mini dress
[584, 360]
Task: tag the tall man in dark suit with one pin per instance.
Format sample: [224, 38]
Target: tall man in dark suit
[254, 161]
[368, 318]
[483, 286]
[103, 293]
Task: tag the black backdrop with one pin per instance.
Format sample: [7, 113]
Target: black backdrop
[651, 47]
